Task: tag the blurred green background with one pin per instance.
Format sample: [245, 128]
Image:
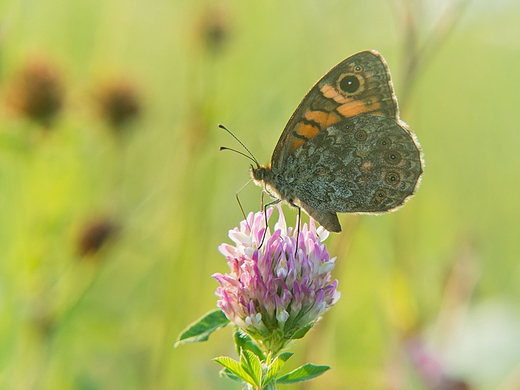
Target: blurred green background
[114, 198]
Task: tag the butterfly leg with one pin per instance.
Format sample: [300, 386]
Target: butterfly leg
[240, 204]
[298, 225]
[274, 202]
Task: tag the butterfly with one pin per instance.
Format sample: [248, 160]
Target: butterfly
[345, 149]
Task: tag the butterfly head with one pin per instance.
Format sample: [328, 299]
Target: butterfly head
[264, 177]
[261, 174]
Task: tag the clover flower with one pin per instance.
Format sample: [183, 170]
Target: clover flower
[279, 287]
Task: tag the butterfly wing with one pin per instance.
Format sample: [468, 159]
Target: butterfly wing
[363, 164]
[359, 84]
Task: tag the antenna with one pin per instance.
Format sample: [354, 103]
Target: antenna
[237, 151]
[252, 158]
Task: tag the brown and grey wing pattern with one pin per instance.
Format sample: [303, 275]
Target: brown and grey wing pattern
[363, 164]
[360, 84]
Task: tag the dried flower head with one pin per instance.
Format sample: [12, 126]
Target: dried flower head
[37, 92]
[119, 103]
[276, 290]
[214, 28]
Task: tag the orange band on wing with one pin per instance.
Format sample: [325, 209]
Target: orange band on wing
[323, 119]
[357, 107]
[308, 131]
[319, 117]
[295, 143]
[303, 132]
[330, 92]
[333, 118]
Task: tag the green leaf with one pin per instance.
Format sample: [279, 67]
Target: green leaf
[302, 332]
[285, 356]
[225, 373]
[303, 373]
[235, 368]
[251, 364]
[202, 328]
[244, 342]
[275, 367]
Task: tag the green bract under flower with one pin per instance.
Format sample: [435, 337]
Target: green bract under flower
[275, 291]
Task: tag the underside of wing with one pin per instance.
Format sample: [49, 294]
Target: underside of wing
[360, 84]
[328, 219]
[363, 164]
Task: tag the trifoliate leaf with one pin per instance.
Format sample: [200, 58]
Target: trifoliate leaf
[235, 368]
[202, 328]
[275, 367]
[303, 373]
[244, 342]
[251, 364]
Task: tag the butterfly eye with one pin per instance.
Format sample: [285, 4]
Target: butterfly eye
[393, 157]
[349, 84]
[360, 135]
[393, 178]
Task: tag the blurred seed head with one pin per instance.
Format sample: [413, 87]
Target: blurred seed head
[95, 234]
[42, 319]
[119, 103]
[214, 28]
[37, 92]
